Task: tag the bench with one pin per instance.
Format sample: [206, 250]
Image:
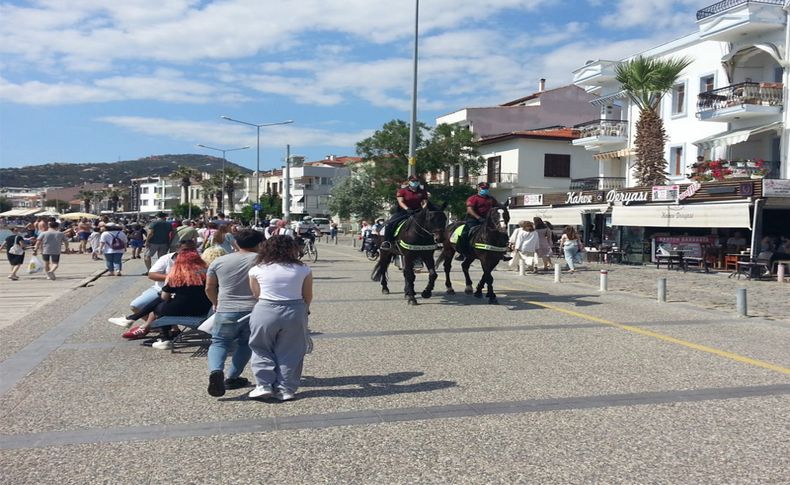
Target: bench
[190, 336]
[699, 262]
[669, 260]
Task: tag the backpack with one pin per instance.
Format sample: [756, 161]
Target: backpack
[117, 243]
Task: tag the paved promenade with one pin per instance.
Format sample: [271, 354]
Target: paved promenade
[557, 384]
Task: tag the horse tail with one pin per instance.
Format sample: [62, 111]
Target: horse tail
[380, 269]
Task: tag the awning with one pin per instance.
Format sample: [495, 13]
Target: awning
[605, 100]
[735, 215]
[557, 216]
[625, 152]
[733, 137]
[21, 212]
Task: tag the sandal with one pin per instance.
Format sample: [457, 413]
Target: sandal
[136, 333]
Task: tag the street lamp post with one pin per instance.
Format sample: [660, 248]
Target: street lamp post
[413, 126]
[225, 150]
[258, 153]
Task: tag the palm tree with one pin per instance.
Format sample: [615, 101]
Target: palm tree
[645, 81]
[231, 177]
[211, 189]
[186, 174]
[86, 196]
[98, 197]
[114, 194]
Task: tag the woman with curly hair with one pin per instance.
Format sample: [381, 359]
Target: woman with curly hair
[278, 324]
[184, 294]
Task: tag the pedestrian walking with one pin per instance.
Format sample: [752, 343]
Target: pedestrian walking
[283, 286]
[569, 242]
[544, 242]
[158, 239]
[113, 244]
[15, 248]
[50, 242]
[228, 288]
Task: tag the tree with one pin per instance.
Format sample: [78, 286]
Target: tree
[86, 196]
[186, 174]
[232, 177]
[56, 203]
[211, 187]
[5, 205]
[645, 81]
[114, 194]
[182, 211]
[358, 196]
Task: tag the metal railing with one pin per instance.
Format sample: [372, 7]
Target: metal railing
[764, 94]
[618, 128]
[494, 178]
[728, 4]
[598, 183]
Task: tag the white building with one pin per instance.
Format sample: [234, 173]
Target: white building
[312, 182]
[154, 194]
[727, 104]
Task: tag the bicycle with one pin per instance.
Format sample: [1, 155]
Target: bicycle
[309, 250]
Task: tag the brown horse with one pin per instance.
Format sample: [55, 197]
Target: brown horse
[487, 242]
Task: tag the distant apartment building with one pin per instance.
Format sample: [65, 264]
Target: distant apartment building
[154, 194]
[312, 182]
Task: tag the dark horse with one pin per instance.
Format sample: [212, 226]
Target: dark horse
[487, 242]
[417, 237]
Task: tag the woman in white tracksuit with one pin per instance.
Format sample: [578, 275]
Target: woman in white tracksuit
[278, 323]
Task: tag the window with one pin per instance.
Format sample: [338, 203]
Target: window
[676, 164]
[556, 165]
[679, 99]
[778, 72]
[707, 83]
[494, 169]
[144, 190]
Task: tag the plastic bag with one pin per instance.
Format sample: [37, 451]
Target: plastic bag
[208, 325]
[35, 265]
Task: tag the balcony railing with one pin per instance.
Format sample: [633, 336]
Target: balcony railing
[616, 128]
[494, 178]
[763, 94]
[728, 4]
[598, 183]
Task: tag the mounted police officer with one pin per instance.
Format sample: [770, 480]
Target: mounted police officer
[411, 198]
[477, 208]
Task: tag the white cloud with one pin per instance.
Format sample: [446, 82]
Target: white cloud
[230, 134]
[655, 14]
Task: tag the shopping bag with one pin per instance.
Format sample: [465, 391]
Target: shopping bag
[208, 325]
[35, 265]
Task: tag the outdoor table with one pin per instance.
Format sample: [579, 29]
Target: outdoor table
[741, 261]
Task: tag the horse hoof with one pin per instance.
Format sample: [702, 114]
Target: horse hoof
[385, 291]
[478, 294]
[450, 291]
[427, 294]
[493, 301]
[412, 301]
[469, 291]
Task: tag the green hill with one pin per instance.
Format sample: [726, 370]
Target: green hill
[73, 174]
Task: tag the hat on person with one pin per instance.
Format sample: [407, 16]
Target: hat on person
[483, 185]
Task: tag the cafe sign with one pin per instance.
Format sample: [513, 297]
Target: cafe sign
[665, 193]
[533, 199]
[776, 188]
[616, 197]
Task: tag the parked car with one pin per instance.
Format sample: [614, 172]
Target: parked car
[322, 223]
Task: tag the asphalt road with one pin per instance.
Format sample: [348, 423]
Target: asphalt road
[557, 384]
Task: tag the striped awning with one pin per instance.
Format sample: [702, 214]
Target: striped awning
[625, 152]
[733, 137]
[605, 100]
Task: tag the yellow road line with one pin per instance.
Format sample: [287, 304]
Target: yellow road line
[666, 338]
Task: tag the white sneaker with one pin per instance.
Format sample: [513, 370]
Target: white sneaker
[50, 275]
[283, 395]
[162, 344]
[121, 321]
[261, 392]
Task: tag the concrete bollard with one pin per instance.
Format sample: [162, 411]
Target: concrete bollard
[557, 272]
[662, 290]
[353, 240]
[521, 267]
[740, 302]
[604, 280]
[780, 273]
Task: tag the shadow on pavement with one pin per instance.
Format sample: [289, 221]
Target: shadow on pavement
[518, 300]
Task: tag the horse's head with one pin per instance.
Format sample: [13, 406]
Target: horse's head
[498, 217]
[436, 220]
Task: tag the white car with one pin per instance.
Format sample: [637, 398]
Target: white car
[322, 223]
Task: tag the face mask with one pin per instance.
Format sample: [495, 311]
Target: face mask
[414, 184]
[483, 192]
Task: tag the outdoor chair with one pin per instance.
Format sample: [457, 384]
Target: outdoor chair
[756, 268]
[189, 336]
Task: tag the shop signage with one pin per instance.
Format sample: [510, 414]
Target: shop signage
[626, 198]
[665, 193]
[690, 191]
[690, 245]
[580, 198]
[722, 190]
[533, 199]
[776, 188]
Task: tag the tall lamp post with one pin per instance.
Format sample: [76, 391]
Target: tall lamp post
[225, 150]
[413, 125]
[258, 154]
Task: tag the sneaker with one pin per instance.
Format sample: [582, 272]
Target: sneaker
[507, 258]
[121, 321]
[135, 333]
[283, 395]
[162, 344]
[13, 278]
[236, 382]
[261, 392]
[216, 383]
[51, 276]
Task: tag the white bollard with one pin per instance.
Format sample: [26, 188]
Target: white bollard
[604, 280]
[662, 290]
[557, 272]
[780, 273]
[521, 267]
[740, 302]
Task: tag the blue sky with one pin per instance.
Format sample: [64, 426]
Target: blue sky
[99, 81]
